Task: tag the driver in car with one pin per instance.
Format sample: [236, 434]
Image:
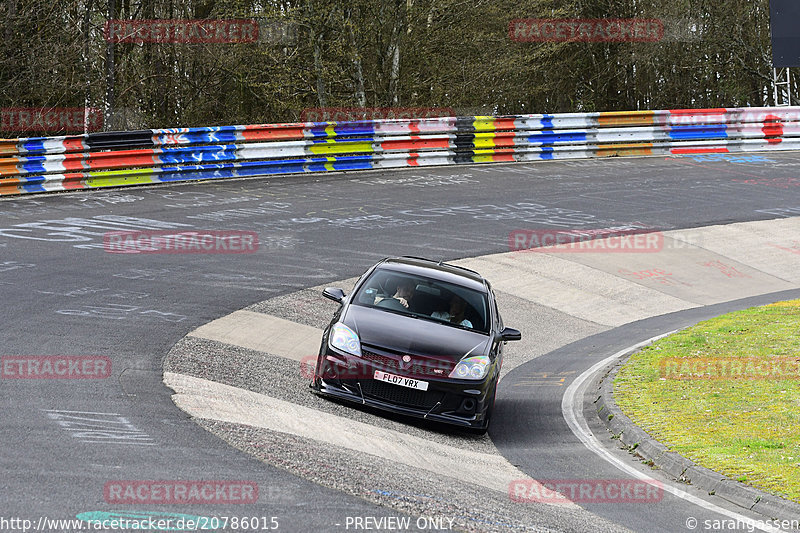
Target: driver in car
[403, 294]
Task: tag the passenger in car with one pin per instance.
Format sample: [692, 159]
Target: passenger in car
[456, 313]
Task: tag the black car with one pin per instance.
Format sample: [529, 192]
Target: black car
[419, 338]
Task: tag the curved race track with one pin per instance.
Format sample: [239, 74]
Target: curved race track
[63, 295]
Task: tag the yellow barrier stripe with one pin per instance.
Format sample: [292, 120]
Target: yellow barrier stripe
[114, 178]
[484, 124]
[334, 147]
[484, 141]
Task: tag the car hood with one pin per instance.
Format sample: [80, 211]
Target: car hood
[415, 336]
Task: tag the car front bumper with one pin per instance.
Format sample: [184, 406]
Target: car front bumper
[461, 403]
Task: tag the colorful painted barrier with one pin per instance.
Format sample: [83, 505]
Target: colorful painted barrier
[112, 159]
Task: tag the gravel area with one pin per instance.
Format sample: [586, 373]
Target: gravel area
[392, 485]
[307, 306]
[283, 379]
[403, 488]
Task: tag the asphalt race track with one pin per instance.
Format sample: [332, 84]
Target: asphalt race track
[63, 294]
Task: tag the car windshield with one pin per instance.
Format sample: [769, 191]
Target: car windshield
[426, 298]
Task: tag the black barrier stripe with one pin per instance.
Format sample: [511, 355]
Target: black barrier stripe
[119, 139]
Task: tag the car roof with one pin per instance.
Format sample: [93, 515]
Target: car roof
[436, 270]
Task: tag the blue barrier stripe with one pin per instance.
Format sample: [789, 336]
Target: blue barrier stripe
[242, 164]
[352, 165]
[38, 178]
[196, 130]
[212, 147]
[341, 131]
[33, 145]
[350, 130]
[246, 168]
[194, 175]
[205, 153]
[316, 167]
[698, 132]
[280, 169]
[204, 137]
[550, 137]
[31, 187]
[32, 166]
[319, 131]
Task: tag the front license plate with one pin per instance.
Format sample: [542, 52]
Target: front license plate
[411, 383]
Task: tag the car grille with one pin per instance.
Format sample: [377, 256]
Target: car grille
[399, 395]
[382, 360]
[420, 367]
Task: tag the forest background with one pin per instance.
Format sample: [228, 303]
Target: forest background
[457, 55]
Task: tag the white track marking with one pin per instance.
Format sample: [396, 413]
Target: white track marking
[572, 409]
[209, 400]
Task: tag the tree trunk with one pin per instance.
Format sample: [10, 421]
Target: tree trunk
[108, 108]
[360, 96]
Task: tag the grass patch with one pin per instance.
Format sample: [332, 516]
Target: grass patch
[739, 413]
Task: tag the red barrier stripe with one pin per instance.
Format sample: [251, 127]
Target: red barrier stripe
[74, 144]
[415, 144]
[505, 141]
[74, 162]
[281, 133]
[773, 127]
[709, 111]
[504, 124]
[74, 181]
[720, 150]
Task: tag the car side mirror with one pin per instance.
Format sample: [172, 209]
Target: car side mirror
[510, 334]
[334, 293]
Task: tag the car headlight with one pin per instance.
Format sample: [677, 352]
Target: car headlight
[344, 339]
[472, 368]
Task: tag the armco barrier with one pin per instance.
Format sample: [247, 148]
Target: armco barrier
[94, 160]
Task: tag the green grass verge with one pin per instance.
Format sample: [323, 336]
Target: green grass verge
[746, 429]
